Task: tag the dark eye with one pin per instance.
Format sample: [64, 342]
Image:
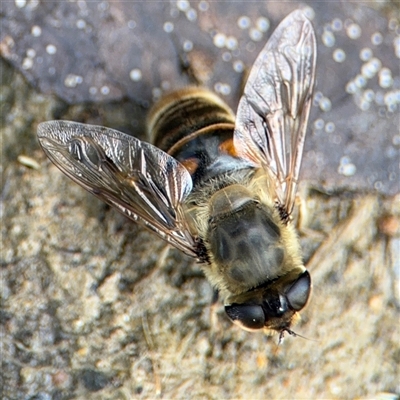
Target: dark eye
[249, 317]
[299, 292]
[275, 305]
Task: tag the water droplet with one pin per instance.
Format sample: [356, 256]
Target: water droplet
[168, 27]
[157, 92]
[187, 46]
[319, 124]
[353, 31]
[337, 25]
[339, 55]
[309, 12]
[72, 80]
[330, 127]
[255, 34]
[135, 74]
[226, 56]
[243, 22]
[378, 185]
[219, 40]
[366, 54]
[20, 3]
[376, 38]
[191, 14]
[182, 5]
[360, 81]
[51, 49]
[222, 88]
[231, 43]
[385, 78]
[325, 104]
[31, 53]
[262, 24]
[105, 90]
[203, 5]
[27, 63]
[347, 169]
[369, 95]
[238, 66]
[351, 87]
[36, 30]
[396, 140]
[328, 39]
[81, 24]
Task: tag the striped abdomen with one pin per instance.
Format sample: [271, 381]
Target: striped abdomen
[196, 127]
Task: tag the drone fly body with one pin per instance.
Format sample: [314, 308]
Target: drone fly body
[219, 188]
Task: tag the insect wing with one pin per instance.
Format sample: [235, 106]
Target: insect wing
[140, 180]
[274, 109]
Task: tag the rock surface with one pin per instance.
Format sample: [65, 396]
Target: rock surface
[94, 307]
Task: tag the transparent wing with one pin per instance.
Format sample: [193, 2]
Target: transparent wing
[140, 180]
[274, 109]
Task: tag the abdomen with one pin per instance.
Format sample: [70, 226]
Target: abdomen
[196, 127]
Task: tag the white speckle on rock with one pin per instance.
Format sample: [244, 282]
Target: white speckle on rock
[360, 81]
[183, 5]
[346, 167]
[337, 25]
[222, 88]
[309, 12]
[262, 24]
[319, 124]
[81, 24]
[255, 34]
[135, 74]
[366, 54]
[27, 63]
[191, 14]
[36, 31]
[238, 66]
[328, 39]
[72, 80]
[203, 5]
[325, 104]
[231, 43]
[31, 53]
[168, 27]
[166, 85]
[351, 87]
[353, 31]
[385, 78]
[104, 90]
[20, 3]
[51, 49]
[187, 45]
[330, 127]
[243, 22]
[156, 92]
[376, 38]
[219, 40]
[339, 55]
[226, 56]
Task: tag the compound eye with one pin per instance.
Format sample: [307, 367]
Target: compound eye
[249, 317]
[299, 292]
